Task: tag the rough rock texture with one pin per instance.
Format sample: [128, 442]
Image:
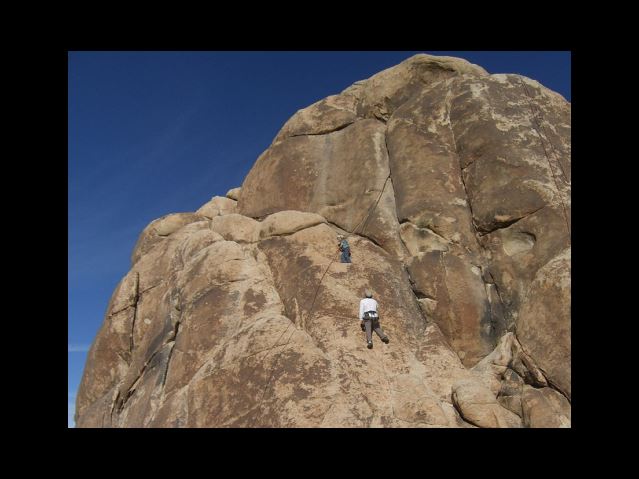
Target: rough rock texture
[544, 407]
[157, 231]
[233, 193]
[454, 188]
[480, 407]
[287, 222]
[218, 206]
[543, 326]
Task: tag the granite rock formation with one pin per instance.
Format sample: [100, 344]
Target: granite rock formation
[453, 187]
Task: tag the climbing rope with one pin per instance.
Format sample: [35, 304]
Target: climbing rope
[536, 126]
[367, 217]
[370, 210]
[364, 220]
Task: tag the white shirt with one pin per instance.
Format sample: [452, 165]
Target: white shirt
[365, 305]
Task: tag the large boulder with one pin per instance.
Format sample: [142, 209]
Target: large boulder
[453, 187]
[265, 334]
[544, 407]
[288, 222]
[479, 406]
[158, 230]
[544, 327]
[233, 193]
[343, 176]
[218, 206]
[460, 304]
[236, 227]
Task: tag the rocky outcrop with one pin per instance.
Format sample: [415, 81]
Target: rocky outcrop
[544, 407]
[478, 406]
[454, 189]
[233, 193]
[218, 206]
[159, 230]
[288, 222]
[543, 326]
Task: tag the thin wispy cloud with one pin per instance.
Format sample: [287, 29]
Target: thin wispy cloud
[122, 172]
[79, 348]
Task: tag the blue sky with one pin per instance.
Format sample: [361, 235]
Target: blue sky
[153, 133]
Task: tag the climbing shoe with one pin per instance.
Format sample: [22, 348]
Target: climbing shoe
[385, 339]
[369, 345]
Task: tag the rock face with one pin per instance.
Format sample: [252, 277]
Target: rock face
[453, 187]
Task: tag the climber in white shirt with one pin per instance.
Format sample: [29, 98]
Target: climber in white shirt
[369, 319]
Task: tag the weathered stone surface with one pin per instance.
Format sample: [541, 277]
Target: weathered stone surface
[231, 341]
[152, 268]
[510, 392]
[382, 93]
[493, 367]
[501, 151]
[98, 412]
[543, 327]
[512, 266]
[234, 194]
[504, 373]
[421, 240]
[107, 361]
[236, 227]
[427, 175]
[219, 206]
[462, 310]
[288, 222]
[512, 403]
[134, 310]
[330, 114]
[513, 141]
[298, 262]
[478, 405]
[343, 176]
[158, 230]
[454, 189]
[544, 408]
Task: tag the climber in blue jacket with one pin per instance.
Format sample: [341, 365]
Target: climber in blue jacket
[344, 247]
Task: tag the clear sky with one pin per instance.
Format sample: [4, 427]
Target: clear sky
[153, 133]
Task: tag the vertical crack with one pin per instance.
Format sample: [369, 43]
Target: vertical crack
[441, 261]
[417, 303]
[177, 314]
[390, 175]
[552, 147]
[168, 361]
[449, 104]
[371, 210]
[511, 320]
[135, 314]
[131, 388]
[114, 403]
[538, 118]
[552, 172]
[526, 357]
[390, 170]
